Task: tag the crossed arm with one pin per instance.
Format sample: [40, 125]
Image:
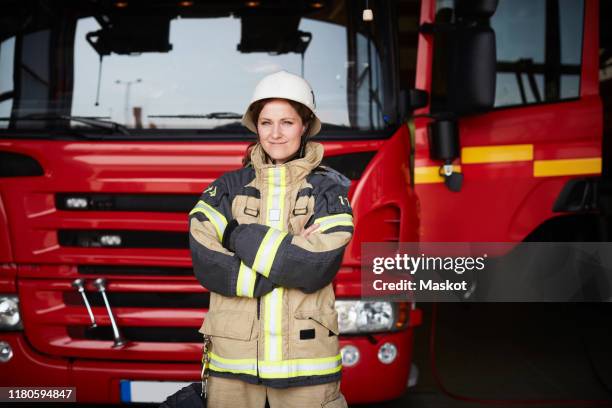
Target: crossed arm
[257, 258]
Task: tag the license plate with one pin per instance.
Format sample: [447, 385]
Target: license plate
[148, 391]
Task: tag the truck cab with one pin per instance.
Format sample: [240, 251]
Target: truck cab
[455, 121]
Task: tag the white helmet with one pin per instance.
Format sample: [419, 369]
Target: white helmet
[285, 85]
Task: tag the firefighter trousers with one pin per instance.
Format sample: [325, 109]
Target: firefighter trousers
[231, 393]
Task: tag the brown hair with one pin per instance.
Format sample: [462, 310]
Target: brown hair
[302, 110]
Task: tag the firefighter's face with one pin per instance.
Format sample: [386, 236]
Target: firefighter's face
[280, 130]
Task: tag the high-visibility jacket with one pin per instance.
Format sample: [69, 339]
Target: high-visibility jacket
[271, 315]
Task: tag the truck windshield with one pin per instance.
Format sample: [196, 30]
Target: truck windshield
[190, 66]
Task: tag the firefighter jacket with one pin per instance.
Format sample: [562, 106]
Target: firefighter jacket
[271, 315]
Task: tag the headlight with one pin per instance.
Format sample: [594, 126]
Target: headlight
[356, 316]
[10, 319]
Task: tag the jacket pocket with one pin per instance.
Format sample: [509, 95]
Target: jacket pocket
[251, 207]
[328, 320]
[229, 324]
[302, 211]
[313, 334]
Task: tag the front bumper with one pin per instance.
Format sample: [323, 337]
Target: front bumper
[98, 381]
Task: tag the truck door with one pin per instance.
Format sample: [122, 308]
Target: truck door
[543, 128]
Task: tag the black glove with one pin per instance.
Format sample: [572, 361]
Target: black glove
[225, 241]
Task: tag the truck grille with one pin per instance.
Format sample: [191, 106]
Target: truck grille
[143, 300]
[125, 202]
[137, 334]
[102, 270]
[158, 316]
[122, 239]
[115, 210]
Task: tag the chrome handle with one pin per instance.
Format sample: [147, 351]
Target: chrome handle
[119, 340]
[79, 285]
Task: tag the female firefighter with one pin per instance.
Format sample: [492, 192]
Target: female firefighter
[267, 240]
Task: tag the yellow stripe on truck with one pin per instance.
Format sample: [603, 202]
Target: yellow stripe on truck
[496, 154]
[430, 174]
[512, 153]
[566, 167]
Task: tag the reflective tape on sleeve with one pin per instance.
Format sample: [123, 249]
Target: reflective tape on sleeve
[267, 251]
[215, 217]
[246, 281]
[331, 221]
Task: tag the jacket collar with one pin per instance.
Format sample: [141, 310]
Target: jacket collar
[295, 170]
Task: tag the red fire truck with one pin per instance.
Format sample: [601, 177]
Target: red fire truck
[454, 120]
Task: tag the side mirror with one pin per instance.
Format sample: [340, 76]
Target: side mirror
[472, 70]
[465, 60]
[411, 100]
[444, 146]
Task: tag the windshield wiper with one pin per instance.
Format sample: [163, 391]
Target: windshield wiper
[93, 122]
[213, 115]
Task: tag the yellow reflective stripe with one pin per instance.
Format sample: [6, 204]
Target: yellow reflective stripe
[273, 301]
[496, 154]
[269, 202]
[513, 153]
[273, 304]
[278, 369]
[290, 373]
[336, 224]
[233, 360]
[236, 366]
[260, 251]
[276, 197]
[430, 174]
[246, 281]
[259, 256]
[223, 369]
[277, 339]
[267, 251]
[282, 196]
[300, 367]
[267, 305]
[566, 167]
[215, 217]
[271, 254]
[332, 221]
